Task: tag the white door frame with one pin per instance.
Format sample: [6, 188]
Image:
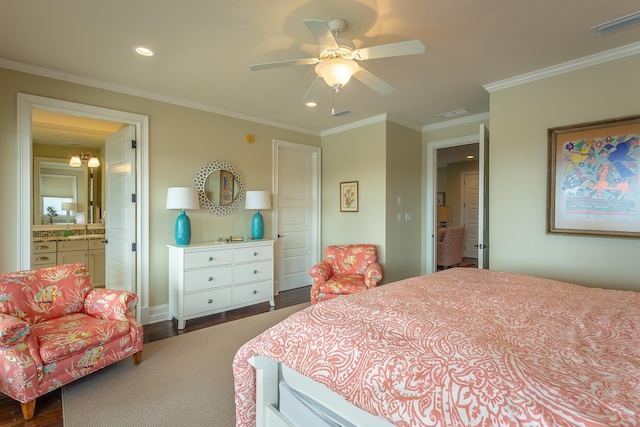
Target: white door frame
[317, 190]
[432, 178]
[26, 103]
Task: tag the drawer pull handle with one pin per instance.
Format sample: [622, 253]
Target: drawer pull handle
[42, 258]
[210, 258]
[255, 271]
[210, 278]
[42, 247]
[254, 292]
[209, 301]
[255, 254]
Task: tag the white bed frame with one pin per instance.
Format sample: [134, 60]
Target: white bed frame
[269, 373]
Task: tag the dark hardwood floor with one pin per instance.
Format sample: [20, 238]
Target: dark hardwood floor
[48, 411]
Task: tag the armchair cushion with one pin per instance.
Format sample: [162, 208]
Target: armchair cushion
[345, 269]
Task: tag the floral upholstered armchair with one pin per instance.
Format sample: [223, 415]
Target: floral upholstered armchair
[345, 269]
[55, 328]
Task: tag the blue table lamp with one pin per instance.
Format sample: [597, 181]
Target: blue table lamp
[257, 200]
[182, 198]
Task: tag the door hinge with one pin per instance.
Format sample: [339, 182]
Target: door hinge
[134, 198]
[134, 144]
[134, 247]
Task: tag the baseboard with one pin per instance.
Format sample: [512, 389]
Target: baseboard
[159, 313]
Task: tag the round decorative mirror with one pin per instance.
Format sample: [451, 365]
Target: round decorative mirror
[220, 187]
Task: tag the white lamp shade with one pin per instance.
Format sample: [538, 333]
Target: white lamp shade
[69, 206]
[182, 198]
[93, 162]
[257, 200]
[75, 161]
[337, 72]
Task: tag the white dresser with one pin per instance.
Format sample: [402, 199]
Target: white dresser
[208, 278]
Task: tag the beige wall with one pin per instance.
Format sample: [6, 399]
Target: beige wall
[355, 155]
[403, 153]
[181, 141]
[520, 117]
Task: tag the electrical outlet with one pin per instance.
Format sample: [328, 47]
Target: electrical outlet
[399, 217]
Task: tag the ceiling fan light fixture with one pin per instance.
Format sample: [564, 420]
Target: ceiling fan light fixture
[337, 72]
[311, 104]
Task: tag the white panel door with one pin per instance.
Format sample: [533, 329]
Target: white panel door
[297, 213]
[120, 226]
[471, 210]
[483, 199]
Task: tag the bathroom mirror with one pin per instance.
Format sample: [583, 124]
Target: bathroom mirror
[220, 187]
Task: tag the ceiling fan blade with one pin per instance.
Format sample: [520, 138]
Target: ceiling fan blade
[280, 64]
[323, 33]
[411, 47]
[373, 82]
[313, 93]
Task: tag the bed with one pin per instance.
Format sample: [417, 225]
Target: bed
[464, 347]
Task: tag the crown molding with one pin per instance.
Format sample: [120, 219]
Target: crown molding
[587, 61]
[456, 122]
[354, 125]
[100, 84]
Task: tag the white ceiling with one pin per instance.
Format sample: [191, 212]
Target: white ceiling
[204, 49]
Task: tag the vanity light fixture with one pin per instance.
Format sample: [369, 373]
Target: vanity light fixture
[257, 200]
[77, 158]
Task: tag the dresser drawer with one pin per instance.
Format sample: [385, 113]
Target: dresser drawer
[202, 302]
[259, 291]
[41, 260]
[202, 259]
[40, 247]
[253, 272]
[72, 245]
[256, 253]
[96, 244]
[207, 278]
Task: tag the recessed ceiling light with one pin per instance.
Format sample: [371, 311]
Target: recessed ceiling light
[144, 51]
[453, 113]
[311, 104]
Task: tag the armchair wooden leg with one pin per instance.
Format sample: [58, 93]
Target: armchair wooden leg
[28, 409]
[137, 357]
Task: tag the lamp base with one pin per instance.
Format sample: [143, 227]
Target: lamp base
[183, 229]
[257, 226]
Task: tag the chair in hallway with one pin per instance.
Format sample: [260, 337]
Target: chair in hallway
[450, 241]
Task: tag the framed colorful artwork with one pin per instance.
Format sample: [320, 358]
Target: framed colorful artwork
[440, 198]
[349, 196]
[226, 188]
[593, 179]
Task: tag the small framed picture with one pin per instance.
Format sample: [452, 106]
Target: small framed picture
[349, 196]
[440, 199]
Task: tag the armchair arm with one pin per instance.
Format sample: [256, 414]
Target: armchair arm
[320, 272]
[110, 304]
[372, 275]
[12, 330]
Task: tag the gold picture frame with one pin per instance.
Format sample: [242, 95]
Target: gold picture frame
[593, 185]
[349, 198]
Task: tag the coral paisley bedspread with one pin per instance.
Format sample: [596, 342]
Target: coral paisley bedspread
[466, 347]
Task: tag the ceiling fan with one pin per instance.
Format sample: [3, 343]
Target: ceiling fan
[336, 61]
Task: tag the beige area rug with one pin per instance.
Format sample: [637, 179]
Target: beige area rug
[185, 380]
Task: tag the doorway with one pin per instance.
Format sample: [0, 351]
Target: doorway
[29, 103]
[296, 225]
[432, 158]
